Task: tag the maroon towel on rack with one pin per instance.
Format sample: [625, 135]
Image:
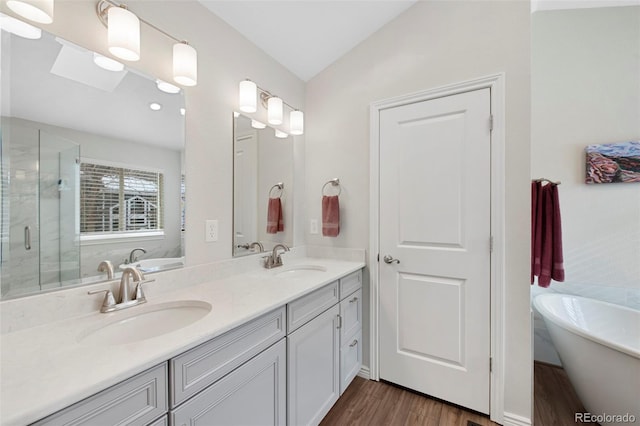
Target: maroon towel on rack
[330, 216]
[547, 261]
[536, 188]
[274, 216]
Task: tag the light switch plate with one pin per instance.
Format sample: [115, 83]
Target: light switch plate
[211, 231]
[313, 226]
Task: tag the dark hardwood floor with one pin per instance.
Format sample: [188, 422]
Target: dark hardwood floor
[370, 403]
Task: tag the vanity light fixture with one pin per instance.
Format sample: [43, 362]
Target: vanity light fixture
[40, 11]
[248, 94]
[257, 124]
[165, 87]
[19, 28]
[107, 63]
[275, 110]
[280, 134]
[248, 102]
[296, 122]
[123, 28]
[123, 33]
[155, 106]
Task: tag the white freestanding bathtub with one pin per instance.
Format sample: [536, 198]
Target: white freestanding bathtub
[599, 345]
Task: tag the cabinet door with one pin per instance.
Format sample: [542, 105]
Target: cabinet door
[351, 313]
[252, 394]
[314, 368]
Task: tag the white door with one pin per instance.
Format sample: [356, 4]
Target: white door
[435, 220]
[245, 192]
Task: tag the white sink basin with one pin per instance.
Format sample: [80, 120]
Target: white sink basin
[300, 271]
[144, 322]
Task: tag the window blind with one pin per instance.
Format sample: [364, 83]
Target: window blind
[116, 199]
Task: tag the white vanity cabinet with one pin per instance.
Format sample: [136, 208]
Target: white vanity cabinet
[325, 352]
[140, 400]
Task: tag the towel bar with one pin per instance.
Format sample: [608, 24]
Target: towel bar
[333, 182]
[277, 186]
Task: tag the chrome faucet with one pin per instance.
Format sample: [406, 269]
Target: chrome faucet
[106, 266]
[132, 254]
[274, 259]
[109, 303]
[257, 244]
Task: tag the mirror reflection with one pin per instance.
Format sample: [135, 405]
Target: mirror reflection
[92, 167]
[262, 187]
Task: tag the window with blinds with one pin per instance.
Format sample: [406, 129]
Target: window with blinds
[118, 200]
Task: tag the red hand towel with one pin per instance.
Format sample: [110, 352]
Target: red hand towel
[536, 235]
[330, 216]
[274, 216]
[557, 270]
[535, 189]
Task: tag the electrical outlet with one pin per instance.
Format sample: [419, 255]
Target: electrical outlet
[313, 228]
[211, 231]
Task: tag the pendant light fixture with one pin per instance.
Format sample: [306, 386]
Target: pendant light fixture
[123, 33]
[296, 122]
[40, 11]
[275, 110]
[185, 64]
[248, 96]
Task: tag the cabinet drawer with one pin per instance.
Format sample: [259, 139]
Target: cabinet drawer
[350, 360]
[308, 307]
[350, 283]
[253, 394]
[196, 369]
[351, 314]
[136, 401]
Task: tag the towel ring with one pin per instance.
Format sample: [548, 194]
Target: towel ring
[277, 186]
[333, 182]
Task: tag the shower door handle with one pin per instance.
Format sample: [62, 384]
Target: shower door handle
[27, 238]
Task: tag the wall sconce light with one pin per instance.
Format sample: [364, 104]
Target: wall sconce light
[19, 28]
[257, 124]
[275, 110]
[107, 63]
[123, 28]
[248, 102]
[40, 11]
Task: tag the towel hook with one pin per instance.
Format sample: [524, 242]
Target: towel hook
[277, 186]
[334, 182]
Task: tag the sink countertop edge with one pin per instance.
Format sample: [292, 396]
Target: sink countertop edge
[82, 370]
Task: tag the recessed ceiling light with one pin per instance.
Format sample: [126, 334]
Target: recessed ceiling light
[167, 87]
[155, 106]
[107, 63]
[183, 111]
[257, 124]
[19, 28]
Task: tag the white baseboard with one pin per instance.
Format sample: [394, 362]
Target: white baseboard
[365, 373]
[511, 419]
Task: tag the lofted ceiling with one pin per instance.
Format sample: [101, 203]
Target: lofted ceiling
[307, 35]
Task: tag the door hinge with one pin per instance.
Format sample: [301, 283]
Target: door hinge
[491, 244]
[491, 123]
[490, 364]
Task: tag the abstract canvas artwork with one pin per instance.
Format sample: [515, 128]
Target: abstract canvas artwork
[613, 162]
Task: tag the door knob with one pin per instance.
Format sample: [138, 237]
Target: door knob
[389, 259]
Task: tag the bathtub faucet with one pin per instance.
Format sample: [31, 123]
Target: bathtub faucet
[132, 254]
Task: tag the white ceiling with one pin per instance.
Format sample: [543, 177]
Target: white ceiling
[307, 35]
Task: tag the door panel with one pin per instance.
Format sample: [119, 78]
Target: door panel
[435, 218]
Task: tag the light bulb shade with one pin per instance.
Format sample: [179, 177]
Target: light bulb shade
[280, 134]
[248, 96]
[19, 28]
[107, 63]
[257, 124]
[167, 87]
[40, 11]
[274, 110]
[185, 64]
[123, 33]
[296, 122]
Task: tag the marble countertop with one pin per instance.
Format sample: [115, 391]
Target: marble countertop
[46, 368]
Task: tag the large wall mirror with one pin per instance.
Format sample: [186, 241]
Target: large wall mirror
[262, 187]
[92, 167]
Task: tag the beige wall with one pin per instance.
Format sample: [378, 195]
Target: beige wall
[433, 43]
[224, 59]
